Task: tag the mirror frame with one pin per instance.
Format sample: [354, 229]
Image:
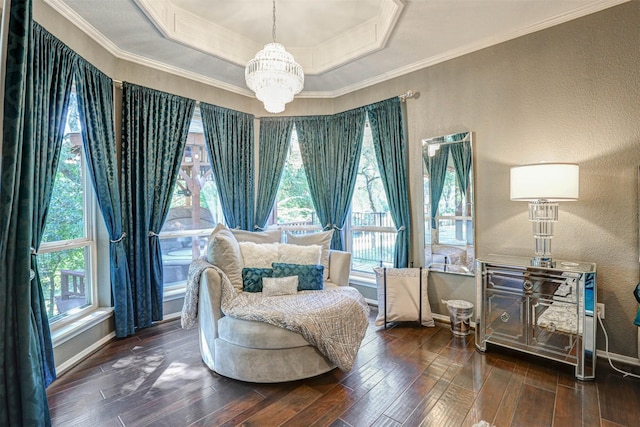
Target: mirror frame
[467, 267]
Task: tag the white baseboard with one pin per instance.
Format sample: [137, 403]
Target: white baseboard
[64, 367]
[618, 358]
[171, 316]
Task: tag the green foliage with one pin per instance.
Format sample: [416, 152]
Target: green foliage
[65, 216]
[294, 202]
[369, 194]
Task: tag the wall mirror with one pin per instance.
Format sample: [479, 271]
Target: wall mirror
[448, 203]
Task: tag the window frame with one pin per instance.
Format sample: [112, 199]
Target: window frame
[88, 242]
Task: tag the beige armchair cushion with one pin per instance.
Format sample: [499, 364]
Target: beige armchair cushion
[223, 251]
[322, 238]
[296, 254]
[268, 236]
[259, 255]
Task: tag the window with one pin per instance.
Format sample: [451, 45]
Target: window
[65, 257]
[451, 222]
[294, 210]
[370, 231]
[194, 211]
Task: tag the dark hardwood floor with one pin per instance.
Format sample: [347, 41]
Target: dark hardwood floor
[405, 375]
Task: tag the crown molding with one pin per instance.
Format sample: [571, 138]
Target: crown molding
[469, 48]
[88, 29]
[194, 31]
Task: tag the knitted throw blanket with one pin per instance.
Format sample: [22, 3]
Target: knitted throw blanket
[332, 320]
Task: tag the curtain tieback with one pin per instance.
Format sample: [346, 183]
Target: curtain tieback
[153, 234]
[119, 239]
[33, 251]
[402, 228]
[330, 226]
[257, 227]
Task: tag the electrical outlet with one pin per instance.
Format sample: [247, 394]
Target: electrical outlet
[600, 307]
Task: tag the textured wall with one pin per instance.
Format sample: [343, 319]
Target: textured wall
[568, 93]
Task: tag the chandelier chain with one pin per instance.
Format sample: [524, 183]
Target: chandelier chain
[273, 30]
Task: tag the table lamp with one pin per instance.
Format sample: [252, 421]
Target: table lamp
[543, 185]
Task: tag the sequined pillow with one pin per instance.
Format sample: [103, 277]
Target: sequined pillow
[252, 278]
[309, 276]
[278, 286]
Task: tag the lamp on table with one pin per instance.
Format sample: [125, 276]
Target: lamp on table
[543, 185]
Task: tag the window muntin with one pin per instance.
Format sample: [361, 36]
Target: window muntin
[194, 211]
[65, 257]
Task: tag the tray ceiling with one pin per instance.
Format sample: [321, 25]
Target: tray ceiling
[343, 45]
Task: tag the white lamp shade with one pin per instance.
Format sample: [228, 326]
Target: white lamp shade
[545, 181]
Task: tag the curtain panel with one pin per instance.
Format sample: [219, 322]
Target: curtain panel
[389, 141]
[24, 369]
[330, 147]
[229, 138]
[95, 107]
[437, 167]
[155, 126]
[461, 155]
[275, 136]
[54, 64]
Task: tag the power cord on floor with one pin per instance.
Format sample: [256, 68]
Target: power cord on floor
[606, 349]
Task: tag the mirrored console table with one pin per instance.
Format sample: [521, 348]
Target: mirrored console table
[545, 311]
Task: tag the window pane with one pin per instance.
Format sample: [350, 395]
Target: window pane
[65, 218]
[63, 276]
[372, 244]
[194, 206]
[64, 273]
[294, 206]
[177, 254]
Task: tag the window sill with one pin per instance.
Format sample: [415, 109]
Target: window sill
[174, 294]
[71, 330]
[369, 282]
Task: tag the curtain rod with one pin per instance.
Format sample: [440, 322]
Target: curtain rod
[409, 95]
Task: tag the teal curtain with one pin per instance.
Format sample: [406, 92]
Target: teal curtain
[461, 155]
[155, 126]
[275, 136]
[229, 138]
[53, 65]
[330, 147]
[437, 167]
[388, 134]
[95, 106]
[23, 375]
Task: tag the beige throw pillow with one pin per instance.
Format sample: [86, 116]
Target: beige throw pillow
[268, 236]
[403, 295]
[322, 238]
[259, 255]
[295, 254]
[223, 251]
[276, 286]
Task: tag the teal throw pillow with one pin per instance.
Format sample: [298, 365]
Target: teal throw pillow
[309, 276]
[252, 278]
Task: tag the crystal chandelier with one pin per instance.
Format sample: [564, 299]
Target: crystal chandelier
[274, 75]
